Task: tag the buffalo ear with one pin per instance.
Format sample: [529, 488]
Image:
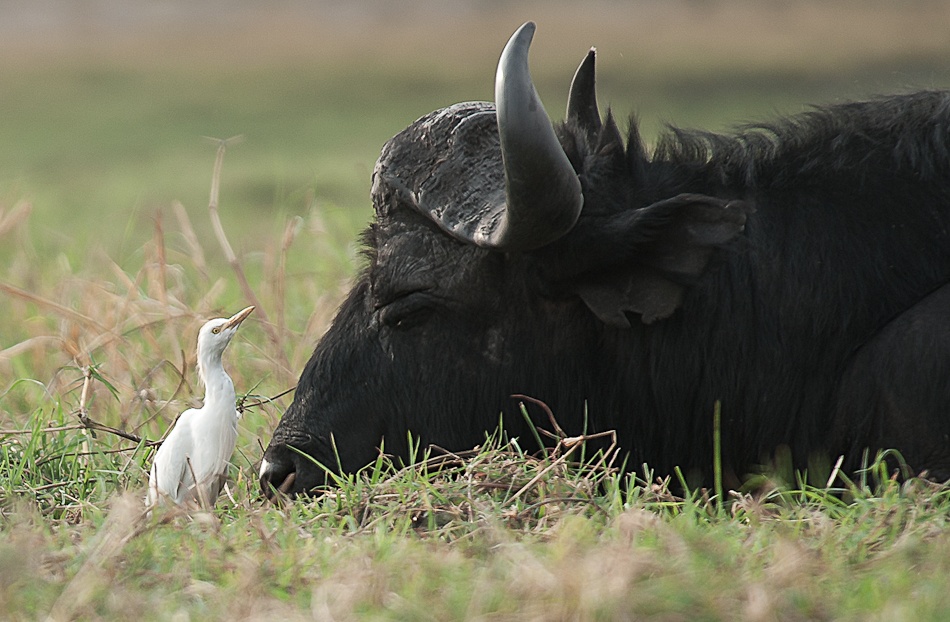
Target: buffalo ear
[657, 252]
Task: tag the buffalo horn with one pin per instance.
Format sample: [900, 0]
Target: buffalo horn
[582, 101]
[543, 193]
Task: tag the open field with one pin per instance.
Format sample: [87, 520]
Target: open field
[108, 265]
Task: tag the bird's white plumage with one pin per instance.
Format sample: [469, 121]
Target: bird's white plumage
[191, 465]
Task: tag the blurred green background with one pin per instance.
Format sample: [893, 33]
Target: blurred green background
[104, 104]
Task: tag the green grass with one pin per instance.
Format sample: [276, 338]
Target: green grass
[104, 283]
[485, 536]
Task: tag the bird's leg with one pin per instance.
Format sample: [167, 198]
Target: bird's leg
[198, 489]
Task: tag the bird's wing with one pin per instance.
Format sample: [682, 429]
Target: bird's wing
[170, 474]
[217, 431]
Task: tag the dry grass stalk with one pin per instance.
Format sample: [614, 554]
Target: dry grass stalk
[55, 307]
[229, 254]
[125, 521]
[160, 263]
[18, 214]
[28, 344]
[213, 200]
[290, 234]
[455, 494]
[188, 233]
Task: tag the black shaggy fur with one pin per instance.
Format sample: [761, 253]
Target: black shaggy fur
[905, 135]
[795, 272]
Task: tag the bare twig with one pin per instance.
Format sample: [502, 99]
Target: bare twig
[94, 426]
[91, 424]
[242, 406]
[229, 254]
[98, 452]
[86, 382]
[196, 487]
[181, 383]
[87, 423]
[62, 428]
[834, 472]
[547, 410]
[534, 480]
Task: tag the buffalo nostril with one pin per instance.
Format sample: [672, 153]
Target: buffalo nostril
[276, 478]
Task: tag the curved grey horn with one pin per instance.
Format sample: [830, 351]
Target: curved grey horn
[582, 101]
[544, 197]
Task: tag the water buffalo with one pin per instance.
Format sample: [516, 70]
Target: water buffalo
[795, 272]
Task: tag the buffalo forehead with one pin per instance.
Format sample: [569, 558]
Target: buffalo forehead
[412, 149]
[446, 166]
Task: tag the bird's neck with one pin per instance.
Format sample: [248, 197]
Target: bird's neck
[218, 386]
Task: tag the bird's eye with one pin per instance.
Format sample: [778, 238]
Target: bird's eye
[216, 330]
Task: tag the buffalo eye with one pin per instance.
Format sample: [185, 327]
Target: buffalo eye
[406, 311]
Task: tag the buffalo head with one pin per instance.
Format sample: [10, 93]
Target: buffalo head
[507, 256]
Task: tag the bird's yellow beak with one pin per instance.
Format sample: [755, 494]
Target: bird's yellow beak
[235, 320]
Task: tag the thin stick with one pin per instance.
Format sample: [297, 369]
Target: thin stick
[98, 452]
[226, 246]
[83, 414]
[835, 471]
[86, 381]
[90, 424]
[200, 495]
[534, 480]
[63, 428]
[547, 410]
[181, 383]
[242, 407]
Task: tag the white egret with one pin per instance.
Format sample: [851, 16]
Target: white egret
[191, 465]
